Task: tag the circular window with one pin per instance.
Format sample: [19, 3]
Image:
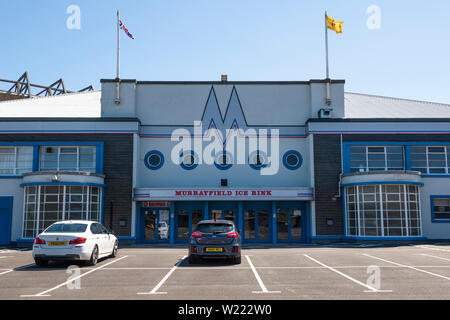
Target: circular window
[292, 160]
[188, 160]
[223, 160]
[258, 160]
[154, 160]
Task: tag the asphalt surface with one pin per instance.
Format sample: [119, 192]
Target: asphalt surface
[306, 272]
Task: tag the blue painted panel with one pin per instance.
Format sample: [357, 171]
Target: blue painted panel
[433, 218]
[6, 205]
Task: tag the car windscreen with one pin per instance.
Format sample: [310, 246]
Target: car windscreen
[67, 227]
[214, 228]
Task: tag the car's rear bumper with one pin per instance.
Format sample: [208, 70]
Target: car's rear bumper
[66, 257]
[227, 251]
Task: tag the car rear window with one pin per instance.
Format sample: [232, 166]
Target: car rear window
[66, 227]
[214, 228]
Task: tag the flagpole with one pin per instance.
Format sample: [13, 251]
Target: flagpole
[328, 98]
[118, 59]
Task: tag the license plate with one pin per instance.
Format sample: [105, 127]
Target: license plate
[213, 249]
[56, 243]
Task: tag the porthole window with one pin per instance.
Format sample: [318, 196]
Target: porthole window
[292, 160]
[154, 160]
[188, 160]
[223, 160]
[258, 160]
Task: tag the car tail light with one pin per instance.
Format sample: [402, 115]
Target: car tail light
[77, 241]
[39, 241]
[196, 235]
[235, 249]
[233, 235]
[193, 249]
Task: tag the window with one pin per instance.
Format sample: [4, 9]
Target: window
[45, 205]
[383, 211]
[258, 160]
[431, 160]
[67, 228]
[154, 160]
[16, 160]
[188, 160]
[292, 160]
[364, 159]
[68, 158]
[223, 161]
[440, 208]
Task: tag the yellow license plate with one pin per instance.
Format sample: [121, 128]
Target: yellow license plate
[213, 249]
[56, 243]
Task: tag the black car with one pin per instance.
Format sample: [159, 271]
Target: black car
[215, 239]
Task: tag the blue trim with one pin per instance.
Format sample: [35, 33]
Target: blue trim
[367, 238]
[125, 238]
[44, 183]
[396, 143]
[382, 183]
[433, 219]
[102, 206]
[274, 223]
[344, 210]
[226, 167]
[138, 222]
[25, 240]
[194, 165]
[240, 220]
[9, 208]
[36, 158]
[328, 237]
[172, 223]
[300, 160]
[99, 158]
[147, 156]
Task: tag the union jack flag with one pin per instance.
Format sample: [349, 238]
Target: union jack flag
[122, 26]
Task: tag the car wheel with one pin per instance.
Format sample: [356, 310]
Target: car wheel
[41, 263]
[94, 257]
[114, 252]
[237, 260]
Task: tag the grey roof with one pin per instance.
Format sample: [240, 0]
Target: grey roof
[370, 106]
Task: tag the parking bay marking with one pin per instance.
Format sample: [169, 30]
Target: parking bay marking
[406, 266]
[19, 268]
[429, 255]
[258, 278]
[155, 289]
[371, 289]
[44, 293]
[429, 248]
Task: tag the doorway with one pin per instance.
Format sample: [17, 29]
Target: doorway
[290, 222]
[187, 215]
[156, 224]
[224, 210]
[257, 221]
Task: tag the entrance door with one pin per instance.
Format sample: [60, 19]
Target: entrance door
[290, 222]
[224, 210]
[186, 218]
[257, 221]
[6, 204]
[156, 224]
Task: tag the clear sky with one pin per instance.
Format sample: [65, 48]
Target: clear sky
[408, 56]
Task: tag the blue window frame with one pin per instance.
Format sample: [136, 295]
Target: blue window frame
[224, 160]
[154, 160]
[188, 160]
[36, 146]
[292, 160]
[440, 209]
[257, 160]
[430, 158]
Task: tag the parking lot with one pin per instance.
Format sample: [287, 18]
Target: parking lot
[303, 272]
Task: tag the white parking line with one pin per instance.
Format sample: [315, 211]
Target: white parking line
[429, 255]
[19, 268]
[371, 289]
[155, 289]
[258, 278]
[406, 266]
[44, 293]
[429, 248]
[3, 257]
[5, 272]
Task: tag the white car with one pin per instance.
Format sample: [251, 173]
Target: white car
[74, 240]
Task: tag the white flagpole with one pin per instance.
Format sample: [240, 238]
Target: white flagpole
[326, 45]
[328, 98]
[118, 59]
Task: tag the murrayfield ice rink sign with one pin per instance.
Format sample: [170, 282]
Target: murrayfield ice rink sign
[146, 194]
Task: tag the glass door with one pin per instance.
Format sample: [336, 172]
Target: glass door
[224, 210]
[257, 221]
[156, 224]
[290, 222]
[187, 216]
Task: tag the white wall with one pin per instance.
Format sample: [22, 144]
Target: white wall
[433, 187]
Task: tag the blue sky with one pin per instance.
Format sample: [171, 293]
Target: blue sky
[246, 39]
